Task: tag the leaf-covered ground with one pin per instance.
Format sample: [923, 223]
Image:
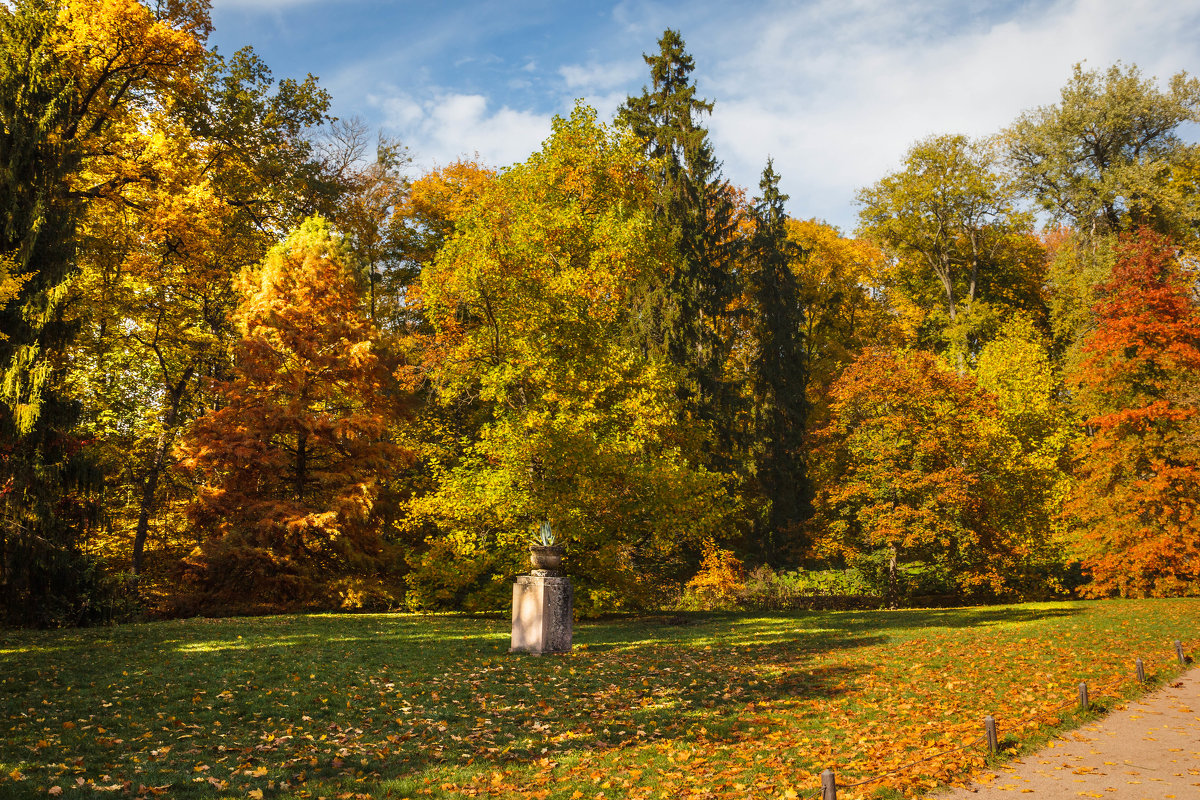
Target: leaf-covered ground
[736, 705]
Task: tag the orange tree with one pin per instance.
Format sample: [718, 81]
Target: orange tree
[191, 189]
[916, 470]
[1135, 506]
[289, 464]
[529, 310]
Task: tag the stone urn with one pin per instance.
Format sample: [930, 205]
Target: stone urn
[546, 558]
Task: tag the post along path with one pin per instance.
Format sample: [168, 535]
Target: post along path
[1147, 749]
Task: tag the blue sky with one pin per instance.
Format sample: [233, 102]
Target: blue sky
[834, 90]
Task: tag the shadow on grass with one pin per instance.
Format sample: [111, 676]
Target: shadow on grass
[415, 695]
[367, 689]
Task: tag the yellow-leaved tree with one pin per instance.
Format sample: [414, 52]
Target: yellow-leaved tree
[73, 75]
[530, 309]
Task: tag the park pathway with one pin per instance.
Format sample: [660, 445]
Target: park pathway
[1147, 749]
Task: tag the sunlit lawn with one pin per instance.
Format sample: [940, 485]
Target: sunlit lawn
[730, 705]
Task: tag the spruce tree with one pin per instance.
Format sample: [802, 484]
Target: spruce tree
[780, 376]
[684, 317]
[69, 76]
[44, 479]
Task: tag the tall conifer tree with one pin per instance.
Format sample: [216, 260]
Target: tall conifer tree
[39, 523]
[683, 317]
[780, 374]
[69, 75]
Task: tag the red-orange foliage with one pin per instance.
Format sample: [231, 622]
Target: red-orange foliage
[915, 468]
[289, 465]
[1136, 502]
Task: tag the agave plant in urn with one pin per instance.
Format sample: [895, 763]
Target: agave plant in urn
[545, 553]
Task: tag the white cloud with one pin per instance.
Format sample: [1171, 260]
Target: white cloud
[834, 90]
[837, 92]
[600, 76]
[444, 126]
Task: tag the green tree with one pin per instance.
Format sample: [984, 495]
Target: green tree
[685, 314]
[1109, 157]
[780, 372]
[952, 223]
[72, 73]
[527, 302]
[261, 132]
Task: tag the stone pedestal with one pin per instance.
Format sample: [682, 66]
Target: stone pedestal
[541, 621]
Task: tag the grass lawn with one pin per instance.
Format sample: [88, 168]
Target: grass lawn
[716, 705]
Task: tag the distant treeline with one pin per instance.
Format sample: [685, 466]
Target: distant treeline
[251, 362]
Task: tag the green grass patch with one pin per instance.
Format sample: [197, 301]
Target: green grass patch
[387, 705]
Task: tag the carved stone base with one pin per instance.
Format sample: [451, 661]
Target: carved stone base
[542, 608]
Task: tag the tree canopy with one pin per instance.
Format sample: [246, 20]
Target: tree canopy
[255, 358]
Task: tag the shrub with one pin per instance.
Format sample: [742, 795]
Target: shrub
[719, 582]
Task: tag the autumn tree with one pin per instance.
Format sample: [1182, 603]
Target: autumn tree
[1134, 509]
[204, 175]
[425, 219]
[915, 470]
[288, 463]
[951, 222]
[527, 303]
[838, 284]
[780, 375]
[153, 298]
[73, 73]
[1109, 156]
[683, 314]
[372, 188]
[1016, 367]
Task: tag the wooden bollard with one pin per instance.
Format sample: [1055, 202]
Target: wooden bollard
[1141, 671]
[828, 785]
[1083, 698]
[989, 727]
[1179, 653]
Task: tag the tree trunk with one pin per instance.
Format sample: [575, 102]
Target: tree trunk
[149, 489]
[893, 593]
[301, 464]
[157, 462]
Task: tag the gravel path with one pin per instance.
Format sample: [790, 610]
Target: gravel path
[1147, 749]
